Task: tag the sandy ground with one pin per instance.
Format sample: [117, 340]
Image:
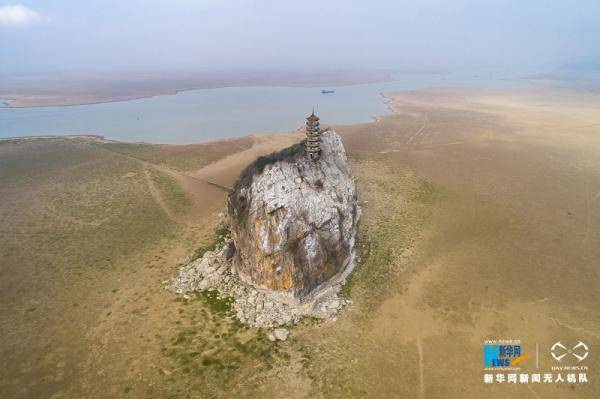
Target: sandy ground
[481, 221]
[512, 251]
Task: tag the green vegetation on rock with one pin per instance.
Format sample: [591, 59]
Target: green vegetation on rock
[221, 234]
[287, 153]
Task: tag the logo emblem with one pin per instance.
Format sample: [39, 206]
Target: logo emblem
[579, 351]
[503, 355]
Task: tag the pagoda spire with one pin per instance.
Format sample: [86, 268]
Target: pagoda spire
[313, 133]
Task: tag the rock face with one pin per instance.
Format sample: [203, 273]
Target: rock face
[293, 221]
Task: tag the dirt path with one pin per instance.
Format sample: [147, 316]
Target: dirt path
[418, 132]
[206, 196]
[421, 368]
[170, 171]
[158, 197]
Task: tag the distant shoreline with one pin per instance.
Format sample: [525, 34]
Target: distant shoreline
[95, 137]
[36, 97]
[10, 103]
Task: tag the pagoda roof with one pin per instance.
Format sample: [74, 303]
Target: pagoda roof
[312, 117]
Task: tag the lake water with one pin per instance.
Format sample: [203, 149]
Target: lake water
[207, 114]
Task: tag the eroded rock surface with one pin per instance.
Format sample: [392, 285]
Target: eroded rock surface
[294, 222]
[293, 226]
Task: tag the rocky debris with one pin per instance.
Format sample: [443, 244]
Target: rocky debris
[255, 307]
[281, 334]
[293, 221]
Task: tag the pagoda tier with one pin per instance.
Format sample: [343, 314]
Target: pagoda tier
[313, 133]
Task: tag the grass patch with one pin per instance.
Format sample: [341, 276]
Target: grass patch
[216, 304]
[218, 353]
[182, 158]
[74, 229]
[221, 234]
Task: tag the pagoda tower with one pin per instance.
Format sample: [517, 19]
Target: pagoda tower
[313, 133]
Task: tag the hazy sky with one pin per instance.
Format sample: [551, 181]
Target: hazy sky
[48, 35]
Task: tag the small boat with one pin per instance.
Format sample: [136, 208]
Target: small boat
[327, 91]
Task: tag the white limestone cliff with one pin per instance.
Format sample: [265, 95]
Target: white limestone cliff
[294, 223]
[293, 228]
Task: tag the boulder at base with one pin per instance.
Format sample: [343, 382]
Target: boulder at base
[293, 221]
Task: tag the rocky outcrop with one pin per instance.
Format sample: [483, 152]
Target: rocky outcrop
[293, 221]
[293, 226]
